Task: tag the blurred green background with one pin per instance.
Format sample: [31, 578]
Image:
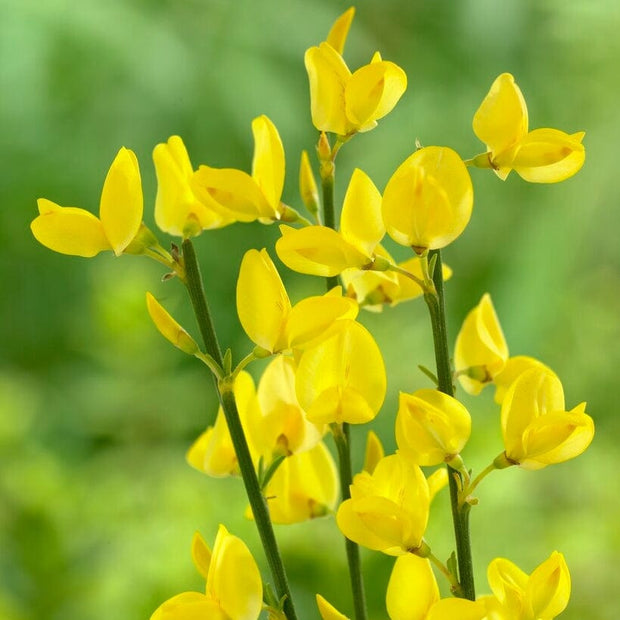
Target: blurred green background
[97, 506]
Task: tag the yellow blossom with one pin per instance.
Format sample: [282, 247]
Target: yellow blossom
[428, 201]
[539, 156]
[321, 251]
[178, 211]
[343, 102]
[75, 231]
[413, 594]
[243, 197]
[307, 185]
[371, 289]
[537, 430]
[388, 509]
[327, 610]
[282, 427]
[265, 311]
[518, 596]
[305, 486]
[233, 590]
[342, 379]
[481, 350]
[431, 427]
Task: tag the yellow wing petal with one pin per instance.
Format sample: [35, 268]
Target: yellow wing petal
[361, 222]
[263, 305]
[234, 580]
[120, 209]
[317, 250]
[268, 162]
[328, 75]
[69, 230]
[405, 602]
[501, 120]
[549, 156]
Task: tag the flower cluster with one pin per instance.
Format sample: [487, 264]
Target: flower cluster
[324, 370]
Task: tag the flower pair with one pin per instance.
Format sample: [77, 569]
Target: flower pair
[538, 156]
[343, 102]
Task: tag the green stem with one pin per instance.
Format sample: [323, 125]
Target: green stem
[329, 217]
[460, 514]
[229, 406]
[455, 586]
[477, 480]
[342, 440]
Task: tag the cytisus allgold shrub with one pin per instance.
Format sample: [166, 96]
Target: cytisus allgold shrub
[326, 371]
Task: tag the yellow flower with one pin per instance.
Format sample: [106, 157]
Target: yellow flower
[374, 452]
[481, 351]
[537, 430]
[283, 427]
[345, 103]
[74, 231]
[178, 211]
[239, 196]
[307, 185]
[428, 201]
[234, 589]
[371, 289]
[305, 486]
[517, 596]
[431, 427]
[213, 452]
[388, 509]
[413, 594]
[512, 370]
[265, 312]
[321, 251]
[169, 328]
[539, 156]
[342, 379]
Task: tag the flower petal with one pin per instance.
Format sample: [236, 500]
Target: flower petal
[263, 305]
[69, 230]
[412, 589]
[120, 209]
[340, 29]
[268, 162]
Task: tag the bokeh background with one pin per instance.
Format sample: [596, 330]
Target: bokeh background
[97, 506]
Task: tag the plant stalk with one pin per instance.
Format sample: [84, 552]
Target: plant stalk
[460, 514]
[227, 399]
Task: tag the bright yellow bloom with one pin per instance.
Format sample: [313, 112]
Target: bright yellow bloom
[169, 328]
[234, 589]
[388, 509]
[428, 201]
[345, 103]
[265, 310]
[342, 379]
[537, 430]
[213, 452]
[321, 251]
[372, 289]
[327, 610]
[539, 156]
[481, 351]
[239, 196]
[74, 231]
[282, 427]
[431, 427]
[305, 486]
[413, 594]
[517, 596]
[178, 211]
[514, 367]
